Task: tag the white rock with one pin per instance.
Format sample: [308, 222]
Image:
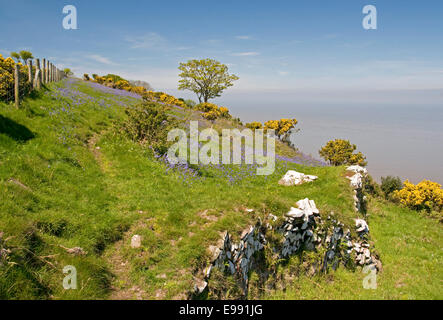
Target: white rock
[367, 253]
[136, 241]
[207, 271]
[293, 177]
[295, 213]
[356, 181]
[200, 286]
[361, 225]
[308, 206]
[214, 252]
[357, 169]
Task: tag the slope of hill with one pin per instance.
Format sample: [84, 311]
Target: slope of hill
[69, 178]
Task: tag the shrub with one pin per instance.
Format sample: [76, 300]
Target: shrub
[206, 107]
[341, 152]
[7, 67]
[254, 125]
[148, 123]
[138, 90]
[86, 77]
[122, 84]
[224, 112]
[68, 72]
[163, 98]
[390, 184]
[426, 195]
[114, 78]
[281, 126]
[190, 103]
[371, 187]
[212, 111]
[211, 115]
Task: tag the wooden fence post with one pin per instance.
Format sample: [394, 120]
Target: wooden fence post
[30, 71]
[52, 72]
[38, 76]
[16, 86]
[47, 71]
[44, 79]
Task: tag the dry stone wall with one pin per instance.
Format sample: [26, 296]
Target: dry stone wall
[302, 229]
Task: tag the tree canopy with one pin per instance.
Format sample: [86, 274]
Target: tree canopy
[26, 55]
[207, 78]
[22, 55]
[16, 56]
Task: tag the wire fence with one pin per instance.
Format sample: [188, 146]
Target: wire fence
[18, 80]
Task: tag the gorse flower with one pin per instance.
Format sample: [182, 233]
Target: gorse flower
[281, 126]
[339, 152]
[211, 111]
[426, 195]
[7, 67]
[254, 125]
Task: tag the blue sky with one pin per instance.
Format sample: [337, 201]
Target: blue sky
[277, 48]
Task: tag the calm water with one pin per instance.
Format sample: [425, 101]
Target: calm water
[405, 141]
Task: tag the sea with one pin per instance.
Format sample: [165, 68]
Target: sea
[404, 140]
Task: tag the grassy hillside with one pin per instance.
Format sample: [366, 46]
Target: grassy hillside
[70, 178]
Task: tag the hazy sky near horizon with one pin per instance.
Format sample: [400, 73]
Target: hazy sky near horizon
[276, 47]
[308, 59]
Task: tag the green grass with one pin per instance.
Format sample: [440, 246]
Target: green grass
[66, 191]
[410, 247]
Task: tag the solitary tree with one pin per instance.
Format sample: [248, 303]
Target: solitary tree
[26, 55]
[207, 78]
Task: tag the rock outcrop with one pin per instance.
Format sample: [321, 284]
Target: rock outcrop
[302, 229]
[236, 257]
[299, 227]
[357, 183]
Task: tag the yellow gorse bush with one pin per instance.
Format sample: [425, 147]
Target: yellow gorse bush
[281, 126]
[7, 79]
[147, 95]
[254, 125]
[425, 195]
[339, 152]
[211, 115]
[164, 98]
[213, 111]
